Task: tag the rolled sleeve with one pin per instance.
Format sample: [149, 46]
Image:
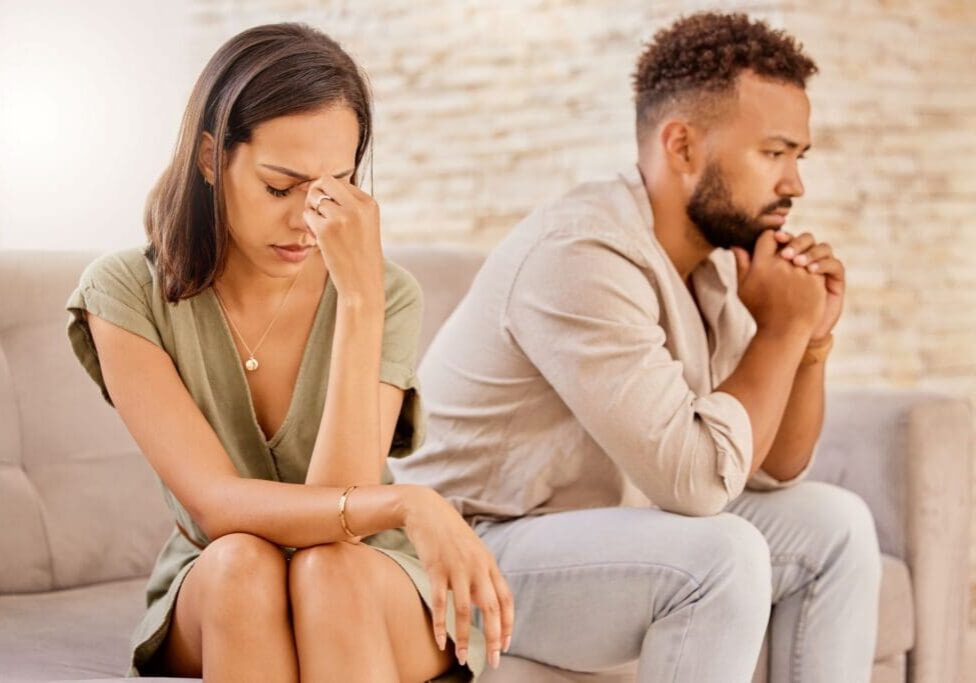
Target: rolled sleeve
[587, 316]
[763, 481]
[731, 429]
[111, 290]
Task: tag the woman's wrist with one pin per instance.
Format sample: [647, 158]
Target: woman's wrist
[411, 498]
[362, 302]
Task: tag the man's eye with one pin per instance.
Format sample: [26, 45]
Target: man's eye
[774, 155]
[275, 192]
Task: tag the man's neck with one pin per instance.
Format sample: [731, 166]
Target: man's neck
[679, 237]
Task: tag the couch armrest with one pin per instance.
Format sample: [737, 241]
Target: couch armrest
[908, 454]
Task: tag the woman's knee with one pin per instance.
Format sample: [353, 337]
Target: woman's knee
[242, 574]
[332, 570]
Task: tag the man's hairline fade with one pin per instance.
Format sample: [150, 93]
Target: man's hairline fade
[771, 55]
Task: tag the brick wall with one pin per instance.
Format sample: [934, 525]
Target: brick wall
[484, 109]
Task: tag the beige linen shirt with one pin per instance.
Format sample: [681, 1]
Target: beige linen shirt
[579, 372]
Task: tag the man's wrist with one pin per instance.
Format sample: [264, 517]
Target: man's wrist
[787, 332]
[817, 350]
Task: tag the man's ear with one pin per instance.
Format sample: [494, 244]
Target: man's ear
[205, 157]
[679, 143]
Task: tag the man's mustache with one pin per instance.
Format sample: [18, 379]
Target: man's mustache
[784, 203]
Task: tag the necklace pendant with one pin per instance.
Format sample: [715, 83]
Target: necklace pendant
[251, 364]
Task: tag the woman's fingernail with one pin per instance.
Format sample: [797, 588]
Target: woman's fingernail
[462, 656]
[441, 641]
[508, 643]
[788, 252]
[495, 659]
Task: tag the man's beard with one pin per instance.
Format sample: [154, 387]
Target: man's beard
[721, 222]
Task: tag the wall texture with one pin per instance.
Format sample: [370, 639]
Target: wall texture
[484, 109]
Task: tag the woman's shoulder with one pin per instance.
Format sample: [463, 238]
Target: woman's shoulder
[127, 270]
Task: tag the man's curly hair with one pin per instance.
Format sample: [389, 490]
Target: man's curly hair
[695, 62]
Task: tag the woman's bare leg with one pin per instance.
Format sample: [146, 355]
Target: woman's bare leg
[358, 617]
[231, 621]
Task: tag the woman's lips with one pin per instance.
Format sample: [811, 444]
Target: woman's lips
[293, 253]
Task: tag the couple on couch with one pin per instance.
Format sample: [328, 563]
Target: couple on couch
[619, 413]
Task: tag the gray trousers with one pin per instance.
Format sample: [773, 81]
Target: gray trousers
[691, 597]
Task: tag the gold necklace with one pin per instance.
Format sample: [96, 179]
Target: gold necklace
[251, 364]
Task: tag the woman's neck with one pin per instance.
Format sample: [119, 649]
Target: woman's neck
[242, 285]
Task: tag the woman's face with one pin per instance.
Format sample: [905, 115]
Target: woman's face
[266, 181]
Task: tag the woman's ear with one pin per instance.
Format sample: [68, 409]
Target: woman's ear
[205, 157]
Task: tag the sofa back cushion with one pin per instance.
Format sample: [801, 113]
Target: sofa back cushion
[78, 501]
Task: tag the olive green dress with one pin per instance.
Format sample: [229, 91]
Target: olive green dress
[122, 289]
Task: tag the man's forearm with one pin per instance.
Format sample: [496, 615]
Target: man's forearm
[800, 426]
[763, 382]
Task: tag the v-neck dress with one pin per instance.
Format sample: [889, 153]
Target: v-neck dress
[122, 288]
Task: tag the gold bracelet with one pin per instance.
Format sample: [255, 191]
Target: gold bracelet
[342, 510]
[817, 352]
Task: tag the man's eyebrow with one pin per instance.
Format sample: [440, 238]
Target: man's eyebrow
[298, 176]
[792, 144]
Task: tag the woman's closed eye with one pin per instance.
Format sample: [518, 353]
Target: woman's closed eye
[275, 192]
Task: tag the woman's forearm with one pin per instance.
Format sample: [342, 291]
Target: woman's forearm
[347, 449]
[301, 515]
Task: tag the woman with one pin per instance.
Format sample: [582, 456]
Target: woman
[261, 352]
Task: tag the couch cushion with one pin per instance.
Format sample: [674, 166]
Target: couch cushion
[863, 448]
[896, 613]
[78, 633]
[85, 506]
[444, 274]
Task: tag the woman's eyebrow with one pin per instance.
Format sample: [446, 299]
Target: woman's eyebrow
[299, 176]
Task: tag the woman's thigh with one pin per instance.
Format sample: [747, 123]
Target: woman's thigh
[237, 568]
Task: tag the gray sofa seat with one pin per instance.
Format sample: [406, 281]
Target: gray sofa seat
[83, 518]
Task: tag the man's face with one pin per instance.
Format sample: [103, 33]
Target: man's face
[752, 173]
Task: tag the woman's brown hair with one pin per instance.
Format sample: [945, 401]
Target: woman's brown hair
[260, 74]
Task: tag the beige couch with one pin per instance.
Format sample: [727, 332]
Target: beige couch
[81, 517]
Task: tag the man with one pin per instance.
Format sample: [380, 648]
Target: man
[660, 338]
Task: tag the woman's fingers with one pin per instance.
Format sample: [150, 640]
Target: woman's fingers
[462, 615]
[506, 604]
[491, 617]
[337, 191]
[438, 587]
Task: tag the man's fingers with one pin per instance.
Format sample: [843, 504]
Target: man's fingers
[815, 253]
[741, 263]
[765, 245]
[797, 246]
[834, 272]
